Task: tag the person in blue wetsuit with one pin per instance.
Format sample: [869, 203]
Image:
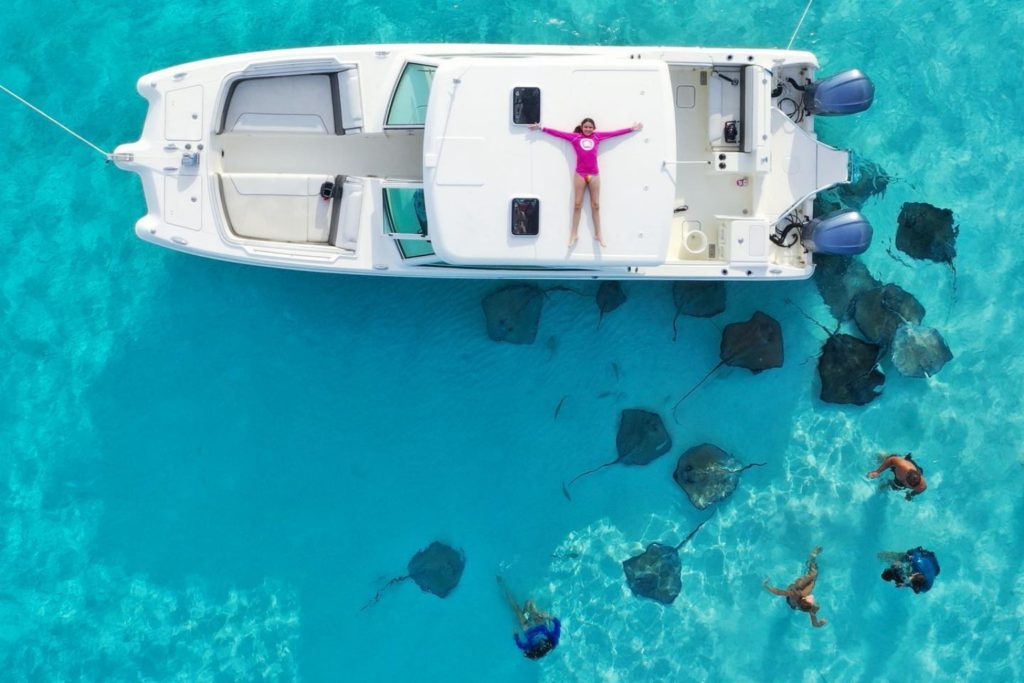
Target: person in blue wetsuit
[540, 632]
[915, 569]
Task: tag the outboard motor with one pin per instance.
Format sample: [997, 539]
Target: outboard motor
[840, 233]
[848, 92]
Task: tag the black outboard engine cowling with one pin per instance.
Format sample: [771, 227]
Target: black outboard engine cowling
[848, 92]
[840, 233]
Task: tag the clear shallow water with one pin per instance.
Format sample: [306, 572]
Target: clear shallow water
[206, 468]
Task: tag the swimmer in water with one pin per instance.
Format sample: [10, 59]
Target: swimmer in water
[915, 569]
[906, 474]
[584, 140]
[798, 594]
[540, 631]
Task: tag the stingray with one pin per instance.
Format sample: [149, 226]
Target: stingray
[609, 297]
[513, 313]
[927, 232]
[840, 280]
[655, 573]
[642, 437]
[867, 179]
[849, 372]
[755, 345]
[707, 474]
[880, 311]
[919, 351]
[697, 299]
[435, 569]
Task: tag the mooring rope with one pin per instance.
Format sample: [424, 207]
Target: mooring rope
[801, 23]
[28, 104]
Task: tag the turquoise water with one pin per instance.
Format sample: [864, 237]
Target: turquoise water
[207, 469]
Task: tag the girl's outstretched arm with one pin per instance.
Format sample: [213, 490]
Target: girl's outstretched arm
[615, 133]
[559, 134]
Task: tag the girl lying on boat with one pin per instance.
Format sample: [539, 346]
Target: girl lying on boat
[584, 140]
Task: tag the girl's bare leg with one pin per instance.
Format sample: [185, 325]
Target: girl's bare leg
[512, 603]
[580, 186]
[595, 207]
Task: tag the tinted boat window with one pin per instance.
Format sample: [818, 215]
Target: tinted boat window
[409, 103]
[525, 105]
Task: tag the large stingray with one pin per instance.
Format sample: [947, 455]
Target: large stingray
[697, 299]
[642, 437]
[609, 297]
[655, 573]
[927, 232]
[919, 351]
[435, 569]
[707, 474]
[840, 280]
[849, 372]
[755, 345]
[880, 311]
[513, 313]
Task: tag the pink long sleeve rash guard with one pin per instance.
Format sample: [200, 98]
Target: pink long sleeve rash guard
[586, 146]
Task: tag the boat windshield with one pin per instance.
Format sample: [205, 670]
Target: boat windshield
[409, 103]
[406, 221]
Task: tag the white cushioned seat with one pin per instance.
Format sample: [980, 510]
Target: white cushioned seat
[277, 206]
[351, 101]
[282, 104]
[345, 231]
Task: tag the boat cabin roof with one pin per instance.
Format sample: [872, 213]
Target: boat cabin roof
[488, 178]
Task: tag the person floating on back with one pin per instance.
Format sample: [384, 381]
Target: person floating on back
[798, 594]
[915, 569]
[585, 140]
[906, 474]
[540, 631]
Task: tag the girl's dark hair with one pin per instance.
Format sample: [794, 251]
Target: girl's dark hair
[579, 128]
[541, 648]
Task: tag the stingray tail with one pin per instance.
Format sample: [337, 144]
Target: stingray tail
[562, 288]
[675, 332]
[565, 487]
[952, 299]
[747, 467]
[600, 319]
[389, 584]
[695, 387]
[827, 331]
[693, 533]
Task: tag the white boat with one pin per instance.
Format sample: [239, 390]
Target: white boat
[416, 160]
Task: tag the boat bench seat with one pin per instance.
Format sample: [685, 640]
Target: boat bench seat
[283, 207]
[314, 104]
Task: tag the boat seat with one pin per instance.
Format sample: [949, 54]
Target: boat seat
[349, 100]
[345, 217]
[308, 104]
[277, 206]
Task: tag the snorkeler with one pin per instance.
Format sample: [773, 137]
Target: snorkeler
[915, 569]
[540, 631]
[798, 595]
[585, 139]
[906, 474]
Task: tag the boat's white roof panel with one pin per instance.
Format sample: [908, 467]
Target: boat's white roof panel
[476, 161]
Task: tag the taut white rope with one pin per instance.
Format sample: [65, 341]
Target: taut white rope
[797, 29]
[108, 155]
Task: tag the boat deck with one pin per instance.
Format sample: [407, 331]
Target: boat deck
[393, 154]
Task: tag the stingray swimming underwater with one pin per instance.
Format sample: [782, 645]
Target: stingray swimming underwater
[435, 569]
[708, 475]
[641, 438]
[755, 344]
[655, 573]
